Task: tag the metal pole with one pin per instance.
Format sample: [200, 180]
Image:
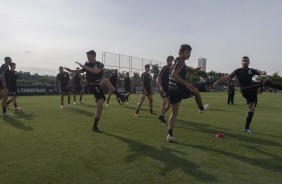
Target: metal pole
[142, 65]
[119, 62]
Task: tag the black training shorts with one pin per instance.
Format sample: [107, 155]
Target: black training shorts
[65, 89]
[149, 91]
[251, 95]
[13, 91]
[97, 91]
[177, 94]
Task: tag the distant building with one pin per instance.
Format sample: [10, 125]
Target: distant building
[202, 62]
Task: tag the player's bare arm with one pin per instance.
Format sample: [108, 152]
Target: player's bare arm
[4, 85]
[92, 70]
[223, 79]
[74, 71]
[192, 69]
[159, 82]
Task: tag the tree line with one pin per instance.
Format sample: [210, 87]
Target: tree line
[26, 78]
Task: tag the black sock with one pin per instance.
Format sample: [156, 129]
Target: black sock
[201, 107]
[116, 93]
[170, 132]
[249, 120]
[137, 111]
[118, 100]
[151, 110]
[108, 99]
[4, 110]
[9, 101]
[96, 122]
[15, 104]
[80, 99]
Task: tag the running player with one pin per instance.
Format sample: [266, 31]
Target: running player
[94, 73]
[249, 88]
[127, 85]
[4, 92]
[76, 82]
[64, 79]
[146, 80]
[113, 79]
[12, 80]
[163, 81]
[180, 89]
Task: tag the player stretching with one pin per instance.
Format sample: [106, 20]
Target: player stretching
[64, 79]
[180, 89]
[113, 79]
[94, 73]
[163, 81]
[12, 79]
[249, 88]
[127, 85]
[146, 79]
[76, 82]
[4, 92]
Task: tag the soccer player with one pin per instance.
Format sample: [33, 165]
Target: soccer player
[231, 91]
[180, 89]
[64, 79]
[113, 79]
[76, 82]
[94, 73]
[163, 81]
[249, 88]
[12, 80]
[4, 92]
[127, 85]
[146, 80]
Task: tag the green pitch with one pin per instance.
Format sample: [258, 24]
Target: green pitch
[45, 144]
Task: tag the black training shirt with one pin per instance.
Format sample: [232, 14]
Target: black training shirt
[64, 78]
[12, 78]
[4, 68]
[91, 77]
[146, 78]
[180, 66]
[164, 75]
[127, 82]
[245, 75]
[76, 79]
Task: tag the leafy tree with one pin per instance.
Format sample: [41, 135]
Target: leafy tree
[213, 76]
[276, 78]
[155, 70]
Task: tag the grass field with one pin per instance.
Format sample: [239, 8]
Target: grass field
[45, 144]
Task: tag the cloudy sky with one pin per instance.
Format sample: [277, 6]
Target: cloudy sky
[41, 35]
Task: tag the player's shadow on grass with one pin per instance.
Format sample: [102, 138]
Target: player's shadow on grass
[200, 127]
[274, 163]
[22, 114]
[268, 107]
[17, 124]
[88, 105]
[80, 112]
[166, 156]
